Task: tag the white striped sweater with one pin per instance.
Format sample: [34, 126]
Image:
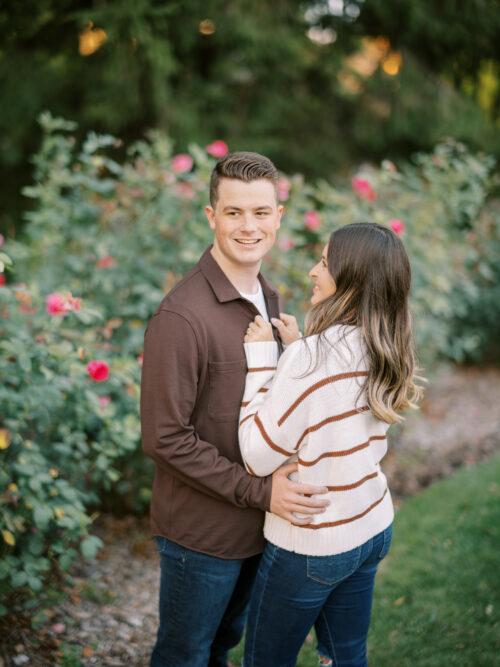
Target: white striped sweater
[321, 420]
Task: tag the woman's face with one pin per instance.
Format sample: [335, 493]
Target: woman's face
[324, 285]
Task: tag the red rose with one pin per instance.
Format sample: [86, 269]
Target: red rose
[98, 370]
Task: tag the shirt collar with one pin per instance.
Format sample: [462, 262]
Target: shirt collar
[223, 288]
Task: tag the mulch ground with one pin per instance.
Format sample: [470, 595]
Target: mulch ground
[109, 617]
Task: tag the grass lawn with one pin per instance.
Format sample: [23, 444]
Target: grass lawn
[437, 601]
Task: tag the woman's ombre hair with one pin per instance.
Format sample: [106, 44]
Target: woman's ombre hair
[372, 274]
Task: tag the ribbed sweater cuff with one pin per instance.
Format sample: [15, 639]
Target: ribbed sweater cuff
[261, 354]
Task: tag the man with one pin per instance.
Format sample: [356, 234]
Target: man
[207, 512]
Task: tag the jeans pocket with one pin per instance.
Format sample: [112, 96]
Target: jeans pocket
[386, 543]
[331, 570]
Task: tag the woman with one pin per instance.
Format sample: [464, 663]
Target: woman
[327, 406]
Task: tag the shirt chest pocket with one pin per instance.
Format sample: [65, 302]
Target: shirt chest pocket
[226, 386]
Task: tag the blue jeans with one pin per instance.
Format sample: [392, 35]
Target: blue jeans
[293, 592]
[203, 606]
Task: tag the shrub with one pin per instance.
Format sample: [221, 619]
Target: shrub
[62, 433]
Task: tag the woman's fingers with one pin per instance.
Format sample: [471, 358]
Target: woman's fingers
[288, 319]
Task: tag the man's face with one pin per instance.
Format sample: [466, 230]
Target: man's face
[245, 220]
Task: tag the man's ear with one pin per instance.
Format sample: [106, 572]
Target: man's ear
[210, 213]
[281, 211]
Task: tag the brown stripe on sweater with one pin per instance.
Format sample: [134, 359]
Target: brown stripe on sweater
[245, 403]
[247, 417]
[268, 439]
[331, 524]
[354, 485]
[251, 472]
[343, 452]
[262, 368]
[263, 390]
[330, 420]
[315, 387]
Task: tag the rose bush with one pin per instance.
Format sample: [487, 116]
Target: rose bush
[67, 422]
[106, 238]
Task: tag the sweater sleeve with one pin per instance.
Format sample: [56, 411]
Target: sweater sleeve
[264, 444]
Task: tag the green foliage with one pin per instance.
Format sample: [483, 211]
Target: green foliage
[59, 440]
[118, 234]
[276, 77]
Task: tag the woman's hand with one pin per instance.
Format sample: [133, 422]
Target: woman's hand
[259, 331]
[288, 328]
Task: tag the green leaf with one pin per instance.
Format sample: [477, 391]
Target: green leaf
[90, 546]
[19, 579]
[42, 515]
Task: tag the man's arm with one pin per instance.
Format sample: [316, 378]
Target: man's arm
[169, 386]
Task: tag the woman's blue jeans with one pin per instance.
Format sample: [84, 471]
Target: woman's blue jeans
[293, 592]
[203, 606]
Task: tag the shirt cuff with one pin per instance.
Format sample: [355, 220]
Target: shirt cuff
[261, 354]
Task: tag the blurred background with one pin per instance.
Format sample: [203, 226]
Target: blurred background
[113, 116]
[319, 86]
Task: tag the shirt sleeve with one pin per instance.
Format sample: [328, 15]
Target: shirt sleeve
[170, 375]
[265, 444]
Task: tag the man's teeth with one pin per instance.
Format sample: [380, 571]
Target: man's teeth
[248, 241]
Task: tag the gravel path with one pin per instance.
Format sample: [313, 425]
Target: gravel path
[110, 616]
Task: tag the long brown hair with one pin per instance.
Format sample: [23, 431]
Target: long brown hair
[372, 274]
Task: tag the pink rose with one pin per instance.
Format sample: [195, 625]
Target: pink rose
[363, 189]
[312, 221]
[55, 304]
[105, 262]
[140, 359]
[59, 303]
[3, 279]
[98, 370]
[285, 243]
[184, 190]
[217, 148]
[182, 163]
[397, 226]
[283, 188]
[104, 401]
[73, 303]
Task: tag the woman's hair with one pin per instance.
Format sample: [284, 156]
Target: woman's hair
[372, 275]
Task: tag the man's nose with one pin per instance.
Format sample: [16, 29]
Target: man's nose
[249, 223]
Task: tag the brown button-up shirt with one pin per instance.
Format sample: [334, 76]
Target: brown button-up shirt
[193, 378]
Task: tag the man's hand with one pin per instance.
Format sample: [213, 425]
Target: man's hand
[259, 331]
[288, 497]
[288, 328]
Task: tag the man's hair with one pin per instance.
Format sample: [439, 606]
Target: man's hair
[242, 166]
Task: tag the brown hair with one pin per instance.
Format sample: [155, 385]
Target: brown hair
[372, 274]
[243, 166]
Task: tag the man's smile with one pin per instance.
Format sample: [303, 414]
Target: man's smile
[248, 241]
